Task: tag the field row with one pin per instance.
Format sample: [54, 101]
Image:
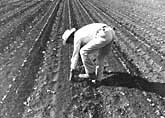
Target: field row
[136, 42]
[117, 101]
[52, 89]
[22, 57]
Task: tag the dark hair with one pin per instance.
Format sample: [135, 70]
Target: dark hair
[70, 39]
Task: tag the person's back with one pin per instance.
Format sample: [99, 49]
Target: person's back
[88, 32]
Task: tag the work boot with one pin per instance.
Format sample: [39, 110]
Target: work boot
[91, 76]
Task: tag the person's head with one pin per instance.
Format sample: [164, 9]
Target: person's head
[68, 36]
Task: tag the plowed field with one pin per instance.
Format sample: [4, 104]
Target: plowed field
[34, 66]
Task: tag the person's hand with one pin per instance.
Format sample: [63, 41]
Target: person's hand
[72, 74]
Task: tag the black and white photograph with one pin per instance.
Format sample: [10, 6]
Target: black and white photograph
[82, 58]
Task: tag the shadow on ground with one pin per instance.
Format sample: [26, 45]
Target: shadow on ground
[121, 79]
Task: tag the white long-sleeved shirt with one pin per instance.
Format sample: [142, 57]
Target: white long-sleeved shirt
[82, 37]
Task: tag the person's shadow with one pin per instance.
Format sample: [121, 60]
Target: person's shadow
[121, 79]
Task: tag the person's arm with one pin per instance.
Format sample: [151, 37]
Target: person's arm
[74, 59]
[75, 55]
[115, 38]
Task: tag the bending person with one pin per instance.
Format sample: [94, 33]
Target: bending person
[87, 40]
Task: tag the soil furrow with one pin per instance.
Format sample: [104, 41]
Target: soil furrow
[28, 72]
[20, 25]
